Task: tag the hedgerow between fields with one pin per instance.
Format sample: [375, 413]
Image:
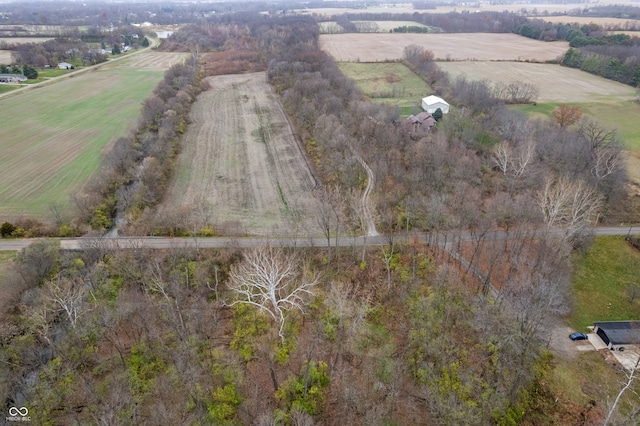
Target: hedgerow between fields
[136, 170]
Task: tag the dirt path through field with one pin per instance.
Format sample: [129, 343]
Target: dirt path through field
[241, 156]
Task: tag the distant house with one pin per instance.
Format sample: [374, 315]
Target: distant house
[12, 78]
[618, 333]
[432, 103]
[65, 66]
[422, 121]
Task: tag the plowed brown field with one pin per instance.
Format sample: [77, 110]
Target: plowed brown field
[241, 156]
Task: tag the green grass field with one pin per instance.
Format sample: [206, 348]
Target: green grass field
[52, 72]
[4, 88]
[600, 282]
[587, 377]
[618, 114]
[388, 82]
[6, 257]
[599, 287]
[53, 137]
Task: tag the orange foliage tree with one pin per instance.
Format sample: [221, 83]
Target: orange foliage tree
[566, 115]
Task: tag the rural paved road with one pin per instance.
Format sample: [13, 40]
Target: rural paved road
[245, 242]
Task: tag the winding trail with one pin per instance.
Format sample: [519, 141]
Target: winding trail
[365, 201]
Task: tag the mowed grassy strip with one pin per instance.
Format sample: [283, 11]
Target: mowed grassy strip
[53, 137]
[4, 88]
[6, 258]
[600, 282]
[586, 377]
[388, 82]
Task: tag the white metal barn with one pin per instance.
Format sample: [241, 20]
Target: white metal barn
[432, 103]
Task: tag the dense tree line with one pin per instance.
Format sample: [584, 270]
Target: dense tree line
[207, 37]
[106, 14]
[619, 11]
[136, 170]
[74, 47]
[619, 63]
[613, 56]
[142, 336]
[577, 35]
[453, 22]
[54, 51]
[484, 166]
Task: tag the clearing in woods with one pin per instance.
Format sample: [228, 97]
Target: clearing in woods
[379, 47]
[388, 82]
[52, 138]
[240, 157]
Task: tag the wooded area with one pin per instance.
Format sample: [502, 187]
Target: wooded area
[448, 332]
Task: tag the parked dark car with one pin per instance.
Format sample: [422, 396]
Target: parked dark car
[578, 336]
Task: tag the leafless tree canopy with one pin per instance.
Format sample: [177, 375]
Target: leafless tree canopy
[274, 282]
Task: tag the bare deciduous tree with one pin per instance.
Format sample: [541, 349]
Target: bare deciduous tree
[516, 93]
[597, 135]
[329, 204]
[67, 295]
[605, 161]
[627, 385]
[502, 156]
[273, 282]
[571, 204]
[513, 161]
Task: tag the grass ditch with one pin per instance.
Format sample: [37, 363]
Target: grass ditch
[265, 128]
[6, 258]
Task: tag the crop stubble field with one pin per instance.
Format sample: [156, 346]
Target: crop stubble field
[378, 47]
[555, 83]
[5, 57]
[241, 156]
[53, 137]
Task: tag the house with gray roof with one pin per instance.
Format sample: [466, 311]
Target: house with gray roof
[12, 78]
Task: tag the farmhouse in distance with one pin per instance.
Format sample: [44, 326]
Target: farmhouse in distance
[12, 78]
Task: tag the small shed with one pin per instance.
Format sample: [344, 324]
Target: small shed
[618, 333]
[65, 66]
[432, 103]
